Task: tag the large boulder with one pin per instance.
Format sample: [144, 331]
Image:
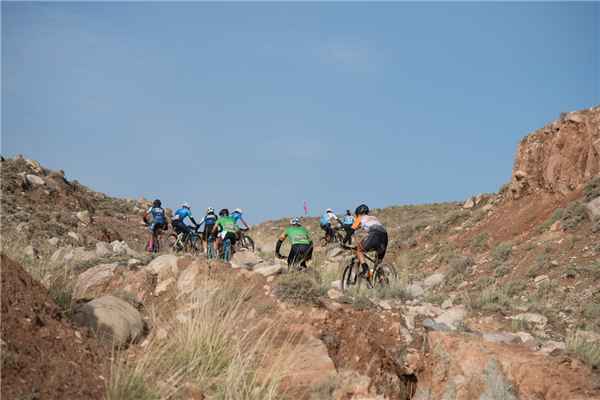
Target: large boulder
[34, 180]
[94, 281]
[114, 320]
[103, 249]
[245, 259]
[433, 280]
[186, 283]
[268, 270]
[465, 367]
[163, 267]
[311, 366]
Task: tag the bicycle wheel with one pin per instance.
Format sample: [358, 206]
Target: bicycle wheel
[384, 275]
[247, 243]
[351, 277]
[192, 245]
[338, 237]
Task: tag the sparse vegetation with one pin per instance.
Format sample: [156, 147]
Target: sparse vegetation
[592, 189]
[502, 252]
[491, 299]
[207, 349]
[298, 288]
[588, 351]
[501, 270]
[479, 243]
[556, 216]
[573, 216]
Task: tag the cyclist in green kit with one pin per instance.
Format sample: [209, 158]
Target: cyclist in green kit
[302, 247]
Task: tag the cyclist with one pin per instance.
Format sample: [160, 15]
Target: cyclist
[159, 221]
[377, 237]
[302, 247]
[209, 221]
[347, 224]
[178, 220]
[237, 217]
[225, 228]
[325, 223]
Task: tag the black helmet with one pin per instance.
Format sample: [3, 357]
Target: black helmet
[224, 212]
[362, 209]
[157, 203]
[347, 212]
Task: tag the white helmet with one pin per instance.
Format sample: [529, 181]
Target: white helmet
[210, 210]
[295, 221]
[185, 205]
[237, 210]
[329, 210]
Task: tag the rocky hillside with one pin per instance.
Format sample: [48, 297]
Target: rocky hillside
[498, 296]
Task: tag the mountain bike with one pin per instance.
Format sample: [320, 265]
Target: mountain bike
[187, 243]
[338, 237]
[379, 274]
[245, 241]
[153, 244]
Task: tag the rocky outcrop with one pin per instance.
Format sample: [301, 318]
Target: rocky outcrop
[560, 157]
[466, 367]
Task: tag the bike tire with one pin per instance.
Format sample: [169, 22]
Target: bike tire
[384, 275]
[248, 243]
[351, 277]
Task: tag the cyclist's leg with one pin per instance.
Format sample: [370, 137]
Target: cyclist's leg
[307, 251]
[382, 248]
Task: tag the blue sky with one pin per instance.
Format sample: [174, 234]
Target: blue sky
[264, 105]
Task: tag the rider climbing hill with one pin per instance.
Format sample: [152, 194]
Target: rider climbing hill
[225, 228]
[302, 248]
[178, 220]
[159, 221]
[237, 218]
[347, 224]
[209, 221]
[325, 223]
[377, 237]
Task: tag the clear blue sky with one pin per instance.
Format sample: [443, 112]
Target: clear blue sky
[264, 105]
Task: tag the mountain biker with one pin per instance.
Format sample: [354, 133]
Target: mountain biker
[209, 221]
[159, 220]
[302, 248]
[237, 217]
[377, 237]
[325, 223]
[178, 221]
[225, 228]
[347, 222]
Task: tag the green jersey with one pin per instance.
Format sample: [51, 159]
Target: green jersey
[298, 235]
[227, 224]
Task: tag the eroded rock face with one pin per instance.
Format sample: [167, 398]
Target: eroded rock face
[465, 367]
[560, 157]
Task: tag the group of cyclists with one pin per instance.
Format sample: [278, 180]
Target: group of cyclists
[218, 227]
[376, 238]
[226, 226]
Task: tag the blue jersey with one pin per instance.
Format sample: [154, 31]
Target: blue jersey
[158, 215]
[236, 217]
[182, 214]
[209, 219]
[348, 220]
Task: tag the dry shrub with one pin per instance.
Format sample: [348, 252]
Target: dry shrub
[209, 349]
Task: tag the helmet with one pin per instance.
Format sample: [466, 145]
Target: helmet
[210, 210]
[347, 212]
[224, 212]
[362, 209]
[238, 210]
[329, 210]
[185, 205]
[156, 203]
[295, 221]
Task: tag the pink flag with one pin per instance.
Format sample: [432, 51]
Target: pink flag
[305, 208]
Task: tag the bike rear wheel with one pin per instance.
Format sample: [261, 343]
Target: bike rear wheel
[247, 243]
[351, 277]
[172, 242]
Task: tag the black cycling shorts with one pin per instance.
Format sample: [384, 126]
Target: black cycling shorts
[376, 240]
[300, 253]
